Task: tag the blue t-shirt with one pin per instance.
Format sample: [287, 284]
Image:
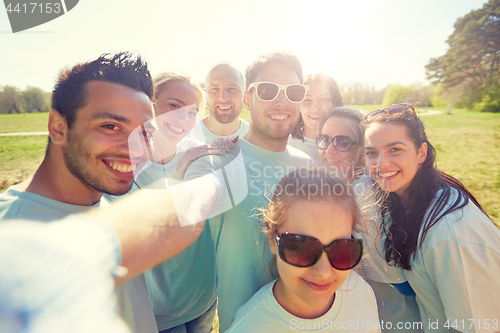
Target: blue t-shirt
[58, 277]
[202, 133]
[51, 302]
[455, 272]
[15, 204]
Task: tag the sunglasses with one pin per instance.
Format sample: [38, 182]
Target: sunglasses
[341, 143]
[396, 108]
[304, 251]
[268, 91]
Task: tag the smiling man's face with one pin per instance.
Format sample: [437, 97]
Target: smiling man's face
[96, 148]
[224, 93]
[273, 120]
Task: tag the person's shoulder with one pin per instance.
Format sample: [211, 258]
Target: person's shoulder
[16, 204]
[356, 289]
[248, 315]
[355, 281]
[455, 197]
[466, 224]
[298, 154]
[11, 193]
[11, 201]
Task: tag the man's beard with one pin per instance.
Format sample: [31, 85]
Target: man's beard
[224, 118]
[78, 159]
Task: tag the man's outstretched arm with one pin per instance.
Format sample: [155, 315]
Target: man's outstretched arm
[154, 225]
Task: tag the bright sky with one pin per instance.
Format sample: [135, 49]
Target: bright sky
[377, 42]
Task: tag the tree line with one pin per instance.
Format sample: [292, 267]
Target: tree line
[14, 100]
[416, 93]
[468, 74]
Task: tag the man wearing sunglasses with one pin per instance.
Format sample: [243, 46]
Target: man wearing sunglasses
[273, 91]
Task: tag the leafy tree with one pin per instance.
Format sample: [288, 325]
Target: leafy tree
[360, 94]
[10, 100]
[397, 93]
[435, 96]
[414, 93]
[470, 67]
[490, 101]
[35, 100]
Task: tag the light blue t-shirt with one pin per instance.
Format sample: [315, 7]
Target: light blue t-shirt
[15, 204]
[58, 277]
[455, 272]
[185, 286]
[454, 275]
[242, 257]
[202, 133]
[354, 310]
[308, 146]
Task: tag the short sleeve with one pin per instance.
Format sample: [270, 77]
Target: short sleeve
[466, 277]
[58, 276]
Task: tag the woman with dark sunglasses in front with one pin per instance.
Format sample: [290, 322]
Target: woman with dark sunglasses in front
[434, 228]
[309, 232]
[321, 97]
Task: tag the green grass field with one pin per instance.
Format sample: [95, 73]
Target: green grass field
[23, 122]
[467, 144]
[20, 155]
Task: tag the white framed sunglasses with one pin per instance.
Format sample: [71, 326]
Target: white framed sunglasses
[268, 91]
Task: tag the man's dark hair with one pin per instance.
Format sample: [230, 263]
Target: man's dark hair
[70, 91]
[280, 57]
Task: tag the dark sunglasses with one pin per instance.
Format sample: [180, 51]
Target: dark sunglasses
[396, 108]
[268, 91]
[305, 251]
[341, 143]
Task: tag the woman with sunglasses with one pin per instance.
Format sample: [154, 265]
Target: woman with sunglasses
[433, 227]
[321, 97]
[340, 141]
[309, 233]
